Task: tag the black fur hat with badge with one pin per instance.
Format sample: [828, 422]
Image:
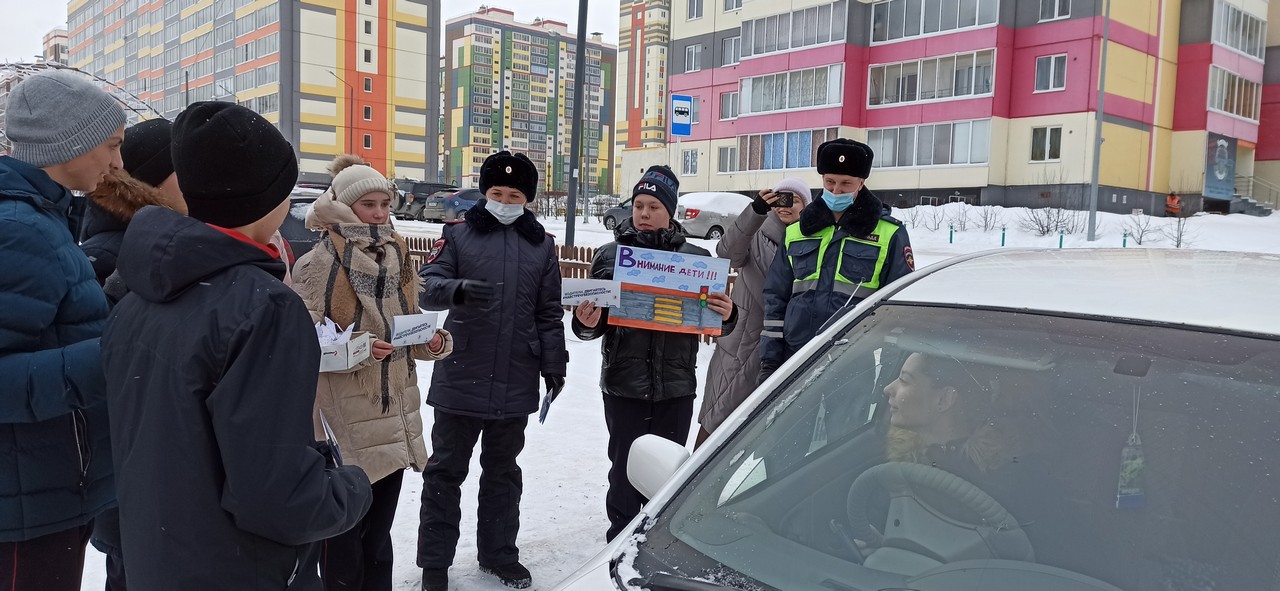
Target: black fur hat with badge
[661, 182]
[505, 169]
[845, 156]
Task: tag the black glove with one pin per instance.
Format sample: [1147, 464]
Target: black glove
[555, 385]
[759, 205]
[331, 459]
[473, 293]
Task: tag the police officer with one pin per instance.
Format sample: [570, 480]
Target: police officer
[844, 248]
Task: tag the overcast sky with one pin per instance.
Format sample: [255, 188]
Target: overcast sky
[23, 24]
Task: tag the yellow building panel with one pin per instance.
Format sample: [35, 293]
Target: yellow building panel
[1142, 15]
[204, 29]
[1130, 73]
[325, 90]
[112, 47]
[1167, 94]
[409, 12]
[1187, 150]
[75, 5]
[1162, 147]
[1124, 157]
[195, 7]
[1074, 164]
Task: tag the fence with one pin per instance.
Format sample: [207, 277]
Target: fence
[575, 262]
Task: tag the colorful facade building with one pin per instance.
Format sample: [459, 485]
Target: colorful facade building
[509, 86]
[336, 76]
[1266, 181]
[643, 45]
[55, 46]
[990, 101]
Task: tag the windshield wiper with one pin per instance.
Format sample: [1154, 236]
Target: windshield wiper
[666, 582]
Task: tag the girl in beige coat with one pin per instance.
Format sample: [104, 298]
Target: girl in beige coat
[360, 273]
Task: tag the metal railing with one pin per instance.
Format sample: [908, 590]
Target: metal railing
[1264, 192]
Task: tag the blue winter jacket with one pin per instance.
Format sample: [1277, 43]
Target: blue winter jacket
[55, 456]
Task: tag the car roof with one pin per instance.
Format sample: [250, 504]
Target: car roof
[1210, 289]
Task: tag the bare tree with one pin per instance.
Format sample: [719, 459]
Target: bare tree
[988, 217]
[934, 218]
[1179, 232]
[959, 217]
[912, 216]
[1140, 227]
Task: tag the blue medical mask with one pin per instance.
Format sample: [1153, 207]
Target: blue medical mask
[507, 213]
[836, 202]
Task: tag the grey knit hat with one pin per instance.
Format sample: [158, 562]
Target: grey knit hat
[56, 116]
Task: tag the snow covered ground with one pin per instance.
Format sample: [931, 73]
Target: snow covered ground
[564, 461]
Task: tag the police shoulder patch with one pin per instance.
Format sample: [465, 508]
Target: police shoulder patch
[910, 257]
[435, 251]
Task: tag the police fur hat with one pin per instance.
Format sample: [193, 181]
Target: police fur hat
[661, 182]
[505, 169]
[845, 156]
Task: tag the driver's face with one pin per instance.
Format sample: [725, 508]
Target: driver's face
[913, 399]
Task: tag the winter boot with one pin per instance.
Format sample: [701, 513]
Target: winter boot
[513, 575]
[435, 579]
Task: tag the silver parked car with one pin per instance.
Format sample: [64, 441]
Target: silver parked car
[706, 215]
[1066, 420]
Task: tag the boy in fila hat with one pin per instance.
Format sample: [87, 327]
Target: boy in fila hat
[845, 247]
[498, 274]
[649, 377]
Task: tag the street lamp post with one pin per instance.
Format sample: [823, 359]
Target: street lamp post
[351, 98]
[1097, 132]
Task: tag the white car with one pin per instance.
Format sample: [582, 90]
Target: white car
[1060, 420]
[706, 215]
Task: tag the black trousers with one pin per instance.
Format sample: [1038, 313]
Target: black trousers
[106, 538]
[52, 562]
[361, 559]
[453, 438]
[628, 419]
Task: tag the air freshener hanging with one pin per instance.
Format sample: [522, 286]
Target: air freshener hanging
[1131, 491]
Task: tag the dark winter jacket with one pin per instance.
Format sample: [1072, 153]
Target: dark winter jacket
[111, 206]
[639, 363]
[211, 367]
[795, 310]
[500, 349]
[55, 463]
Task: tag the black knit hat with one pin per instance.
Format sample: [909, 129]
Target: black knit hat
[145, 151]
[505, 169]
[845, 156]
[660, 182]
[233, 166]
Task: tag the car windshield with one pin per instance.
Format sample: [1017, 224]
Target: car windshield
[933, 448]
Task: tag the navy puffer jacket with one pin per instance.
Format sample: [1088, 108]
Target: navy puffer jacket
[55, 456]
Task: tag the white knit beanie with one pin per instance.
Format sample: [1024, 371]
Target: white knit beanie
[353, 178]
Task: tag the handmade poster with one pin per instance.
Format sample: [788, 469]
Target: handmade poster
[413, 329]
[601, 292]
[668, 291]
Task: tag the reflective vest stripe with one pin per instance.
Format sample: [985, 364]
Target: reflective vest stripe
[773, 334]
[883, 233]
[773, 323]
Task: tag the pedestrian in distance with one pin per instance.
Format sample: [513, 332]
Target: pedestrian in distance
[498, 274]
[360, 275]
[211, 368]
[649, 377]
[750, 244]
[845, 247]
[55, 464]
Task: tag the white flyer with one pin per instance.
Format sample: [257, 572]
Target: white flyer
[602, 292]
[413, 329]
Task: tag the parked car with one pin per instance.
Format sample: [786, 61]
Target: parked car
[446, 206]
[294, 229]
[706, 215]
[1078, 420]
[415, 194]
[614, 215]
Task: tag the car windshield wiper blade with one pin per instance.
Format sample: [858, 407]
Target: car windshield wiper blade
[666, 582]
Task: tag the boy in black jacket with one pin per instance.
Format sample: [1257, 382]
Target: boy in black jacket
[211, 366]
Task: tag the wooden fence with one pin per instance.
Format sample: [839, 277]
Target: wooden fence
[575, 262]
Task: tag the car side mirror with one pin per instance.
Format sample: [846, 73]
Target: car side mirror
[652, 461]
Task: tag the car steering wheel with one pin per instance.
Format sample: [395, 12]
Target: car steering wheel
[900, 477]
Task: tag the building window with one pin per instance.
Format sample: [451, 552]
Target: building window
[794, 30]
[368, 84]
[1052, 10]
[728, 161]
[1051, 73]
[695, 114]
[1046, 144]
[1232, 94]
[368, 27]
[903, 19]
[693, 58]
[368, 113]
[940, 78]
[695, 9]
[688, 162]
[1239, 30]
[784, 150]
[728, 105]
[730, 50]
[941, 144]
[368, 141]
[368, 56]
[732, 5]
[797, 89]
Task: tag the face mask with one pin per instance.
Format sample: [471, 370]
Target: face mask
[837, 202]
[506, 213]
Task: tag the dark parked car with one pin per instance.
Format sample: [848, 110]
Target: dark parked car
[416, 193]
[294, 229]
[446, 206]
